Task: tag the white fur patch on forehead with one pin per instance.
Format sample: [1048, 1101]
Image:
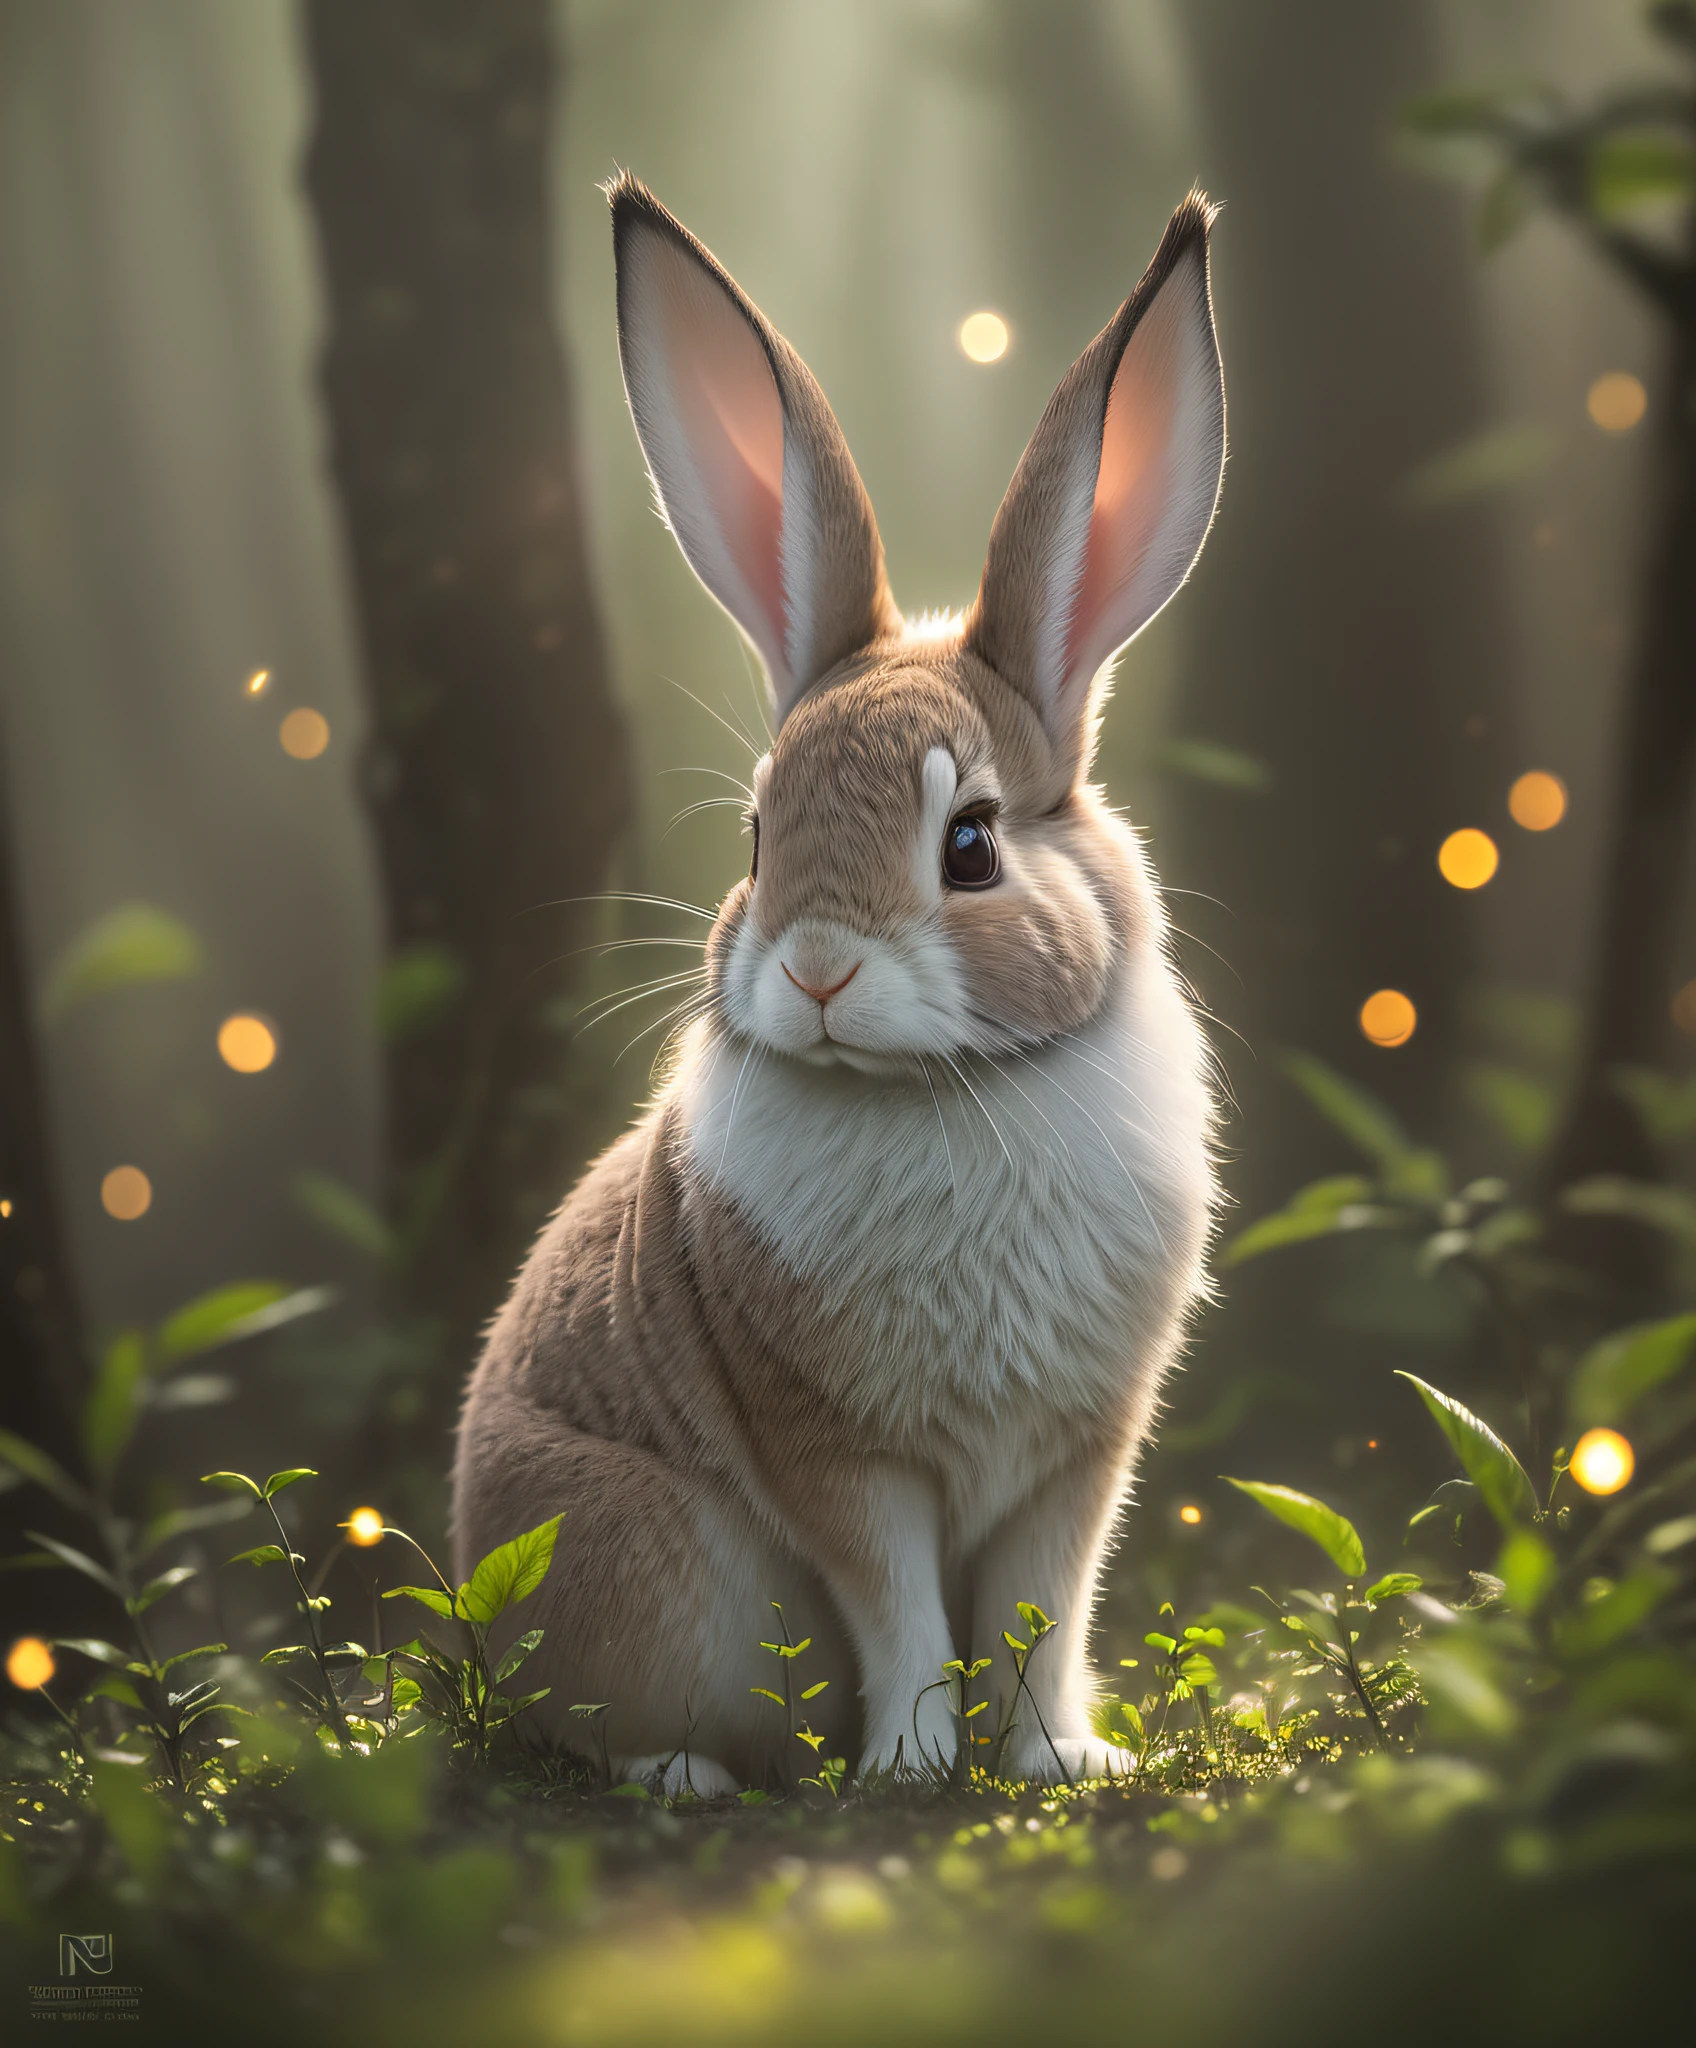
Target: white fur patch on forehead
[939, 779]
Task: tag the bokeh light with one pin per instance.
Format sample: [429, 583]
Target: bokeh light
[30, 1664]
[1537, 801]
[1388, 1018]
[126, 1193]
[1602, 1461]
[304, 734]
[984, 337]
[365, 1527]
[1684, 1008]
[246, 1043]
[1190, 1513]
[1467, 858]
[1616, 402]
[257, 681]
[5, 1207]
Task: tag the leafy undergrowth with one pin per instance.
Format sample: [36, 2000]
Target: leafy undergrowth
[1445, 1792]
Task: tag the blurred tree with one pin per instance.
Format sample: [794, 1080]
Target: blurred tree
[41, 1364]
[495, 769]
[1623, 171]
[1350, 644]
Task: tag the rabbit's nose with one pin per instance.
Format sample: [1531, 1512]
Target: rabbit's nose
[821, 996]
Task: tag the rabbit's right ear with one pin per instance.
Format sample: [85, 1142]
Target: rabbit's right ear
[750, 466]
[1112, 500]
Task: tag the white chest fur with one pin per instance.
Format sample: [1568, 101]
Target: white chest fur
[1019, 1232]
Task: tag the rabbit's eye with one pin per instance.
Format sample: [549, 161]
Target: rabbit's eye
[970, 857]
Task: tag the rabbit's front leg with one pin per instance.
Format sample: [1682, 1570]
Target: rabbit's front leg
[877, 1542]
[1048, 1553]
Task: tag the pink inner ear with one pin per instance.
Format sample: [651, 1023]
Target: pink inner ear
[732, 418]
[1132, 490]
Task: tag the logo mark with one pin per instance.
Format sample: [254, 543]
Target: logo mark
[90, 1952]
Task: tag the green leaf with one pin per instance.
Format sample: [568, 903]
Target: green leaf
[204, 1650]
[1631, 170]
[512, 1572]
[1207, 761]
[1159, 1642]
[417, 986]
[1528, 1569]
[278, 1480]
[133, 944]
[812, 1692]
[1489, 1464]
[1672, 1210]
[1603, 1621]
[78, 1561]
[286, 1653]
[1339, 1202]
[1486, 112]
[1393, 1584]
[30, 1463]
[1521, 1106]
[93, 1646]
[232, 1482]
[113, 1407]
[765, 1693]
[1318, 1523]
[1488, 461]
[156, 1589]
[175, 1522]
[1033, 1617]
[1666, 1109]
[516, 1654]
[426, 1596]
[261, 1553]
[334, 1205]
[1369, 1126]
[225, 1314]
[1614, 1375]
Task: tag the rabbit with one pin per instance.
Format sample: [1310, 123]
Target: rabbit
[869, 1313]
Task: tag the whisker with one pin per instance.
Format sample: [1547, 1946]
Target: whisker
[653, 988]
[708, 803]
[677, 1011]
[1037, 1106]
[978, 1099]
[735, 732]
[735, 1097]
[947, 1149]
[718, 774]
[632, 896]
[1113, 1152]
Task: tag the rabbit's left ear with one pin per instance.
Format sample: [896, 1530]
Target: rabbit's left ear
[1110, 504]
[751, 468]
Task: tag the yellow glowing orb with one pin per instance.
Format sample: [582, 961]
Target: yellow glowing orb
[1537, 801]
[1602, 1461]
[984, 337]
[1616, 402]
[126, 1193]
[365, 1527]
[5, 1206]
[30, 1664]
[1388, 1018]
[304, 734]
[1467, 858]
[257, 681]
[246, 1043]
[1190, 1514]
[1684, 1008]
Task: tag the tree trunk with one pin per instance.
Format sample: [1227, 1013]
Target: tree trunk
[42, 1374]
[494, 767]
[1647, 859]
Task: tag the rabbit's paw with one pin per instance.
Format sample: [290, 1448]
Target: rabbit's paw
[1078, 1757]
[903, 1750]
[677, 1774]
